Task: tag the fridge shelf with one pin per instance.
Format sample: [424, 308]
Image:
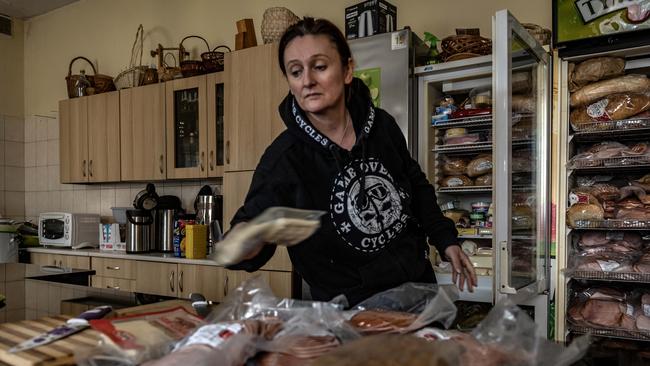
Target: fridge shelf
[484, 120]
[475, 146]
[612, 276]
[612, 333]
[620, 224]
[469, 189]
[623, 162]
[605, 128]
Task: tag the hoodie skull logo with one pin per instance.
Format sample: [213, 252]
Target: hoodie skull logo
[367, 216]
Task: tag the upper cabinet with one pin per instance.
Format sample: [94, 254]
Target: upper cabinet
[216, 114]
[187, 126]
[142, 129]
[90, 139]
[255, 88]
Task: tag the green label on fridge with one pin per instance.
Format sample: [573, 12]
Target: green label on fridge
[372, 79]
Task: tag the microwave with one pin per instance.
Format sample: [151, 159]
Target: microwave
[65, 229]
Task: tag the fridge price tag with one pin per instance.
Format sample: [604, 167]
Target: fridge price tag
[608, 266]
[399, 40]
[577, 198]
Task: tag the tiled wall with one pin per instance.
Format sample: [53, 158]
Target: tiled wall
[44, 192]
[12, 171]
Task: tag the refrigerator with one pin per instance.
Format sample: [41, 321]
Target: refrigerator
[575, 172]
[385, 62]
[504, 150]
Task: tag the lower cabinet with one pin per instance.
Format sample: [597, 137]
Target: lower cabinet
[180, 280]
[113, 283]
[61, 260]
[280, 282]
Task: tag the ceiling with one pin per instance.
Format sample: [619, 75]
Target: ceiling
[24, 9]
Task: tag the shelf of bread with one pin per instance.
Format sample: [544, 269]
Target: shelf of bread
[464, 148]
[610, 276]
[611, 333]
[476, 121]
[622, 162]
[465, 189]
[608, 224]
[610, 128]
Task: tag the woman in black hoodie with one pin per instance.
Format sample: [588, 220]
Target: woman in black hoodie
[342, 155]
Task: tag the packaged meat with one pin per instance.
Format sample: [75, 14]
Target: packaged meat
[603, 313]
[642, 214]
[456, 181]
[454, 165]
[584, 212]
[612, 108]
[474, 112]
[523, 103]
[594, 69]
[377, 321]
[604, 262]
[635, 191]
[479, 166]
[605, 192]
[622, 84]
[454, 132]
[462, 139]
[483, 180]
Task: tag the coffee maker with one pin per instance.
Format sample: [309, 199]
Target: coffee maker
[209, 211]
[164, 215]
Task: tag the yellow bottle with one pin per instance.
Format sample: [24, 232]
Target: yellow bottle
[196, 241]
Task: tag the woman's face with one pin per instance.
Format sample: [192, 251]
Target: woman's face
[315, 73]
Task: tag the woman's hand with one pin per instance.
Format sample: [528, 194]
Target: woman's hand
[257, 245]
[461, 268]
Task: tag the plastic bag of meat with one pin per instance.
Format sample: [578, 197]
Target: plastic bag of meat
[622, 84]
[612, 108]
[594, 69]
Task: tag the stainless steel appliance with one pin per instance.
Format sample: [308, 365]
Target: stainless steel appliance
[66, 229]
[138, 231]
[208, 212]
[163, 229]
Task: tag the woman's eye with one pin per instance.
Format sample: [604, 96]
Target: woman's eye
[320, 67]
[295, 73]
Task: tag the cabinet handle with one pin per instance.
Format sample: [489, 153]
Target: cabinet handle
[116, 268]
[180, 281]
[161, 163]
[225, 286]
[211, 159]
[202, 159]
[113, 287]
[171, 281]
[90, 167]
[83, 168]
[61, 263]
[227, 151]
[54, 263]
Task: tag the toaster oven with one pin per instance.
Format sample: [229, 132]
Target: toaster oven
[65, 229]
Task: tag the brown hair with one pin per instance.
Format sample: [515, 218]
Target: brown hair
[311, 26]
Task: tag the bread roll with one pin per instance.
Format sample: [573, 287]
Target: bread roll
[479, 166]
[454, 166]
[523, 103]
[594, 69]
[612, 108]
[456, 181]
[484, 180]
[584, 211]
[601, 89]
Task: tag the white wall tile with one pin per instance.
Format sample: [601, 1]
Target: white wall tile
[188, 195]
[14, 129]
[30, 204]
[53, 181]
[14, 178]
[41, 153]
[30, 154]
[14, 153]
[30, 179]
[41, 128]
[79, 200]
[67, 201]
[66, 187]
[30, 129]
[14, 203]
[53, 201]
[172, 190]
[42, 201]
[107, 201]
[93, 201]
[123, 197]
[53, 152]
[80, 187]
[52, 129]
[41, 178]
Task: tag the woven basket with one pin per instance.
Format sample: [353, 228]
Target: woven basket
[542, 35]
[213, 60]
[134, 75]
[99, 83]
[276, 20]
[191, 68]
[466, 44]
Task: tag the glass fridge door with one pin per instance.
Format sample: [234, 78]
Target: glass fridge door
[521, 160]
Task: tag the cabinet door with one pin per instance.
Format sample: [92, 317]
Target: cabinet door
[235, 187]
[156, 278]
[280, 282]
[206, 280]
[216, 90]
[104, 137]
[256, 87]
[113, 283]
[74, 261]
[186, 127]
[73, 140]
[114, 267]
[142, 133]
[43, 259]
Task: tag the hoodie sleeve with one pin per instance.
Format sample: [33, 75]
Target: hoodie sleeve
[440, 230]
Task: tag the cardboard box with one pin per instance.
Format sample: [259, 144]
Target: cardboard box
[112, 237]
[370, 17]
[196, 241]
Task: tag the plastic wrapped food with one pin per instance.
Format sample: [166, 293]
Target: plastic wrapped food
[484, 180]
[623, 84]
[456, 181]
[455, 132]
[458, 216]
[522, 217]
[454, 166]
[522, 130]
[474, 112]
[613, 107]
[523, 103]
[584, 211]
[479, 166]
[594, 69]
[605, 192]
[463, 139]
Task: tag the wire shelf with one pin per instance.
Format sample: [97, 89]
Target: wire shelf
[621, 224]
[471, 147]
[622, 162]
[611, 276]
[612, 333]
[631, 125]
[468, 189]
[464, 122]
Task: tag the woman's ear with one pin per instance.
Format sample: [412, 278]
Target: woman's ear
[349, 71]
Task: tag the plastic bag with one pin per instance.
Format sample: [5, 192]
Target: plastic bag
[278, 225]
[594, 69]
[622, 84]
[612, 108]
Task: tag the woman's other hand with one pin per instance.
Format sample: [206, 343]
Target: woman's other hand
[255, 243]
[462, 268]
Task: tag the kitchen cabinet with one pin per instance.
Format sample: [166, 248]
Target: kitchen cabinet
[61, 260]
[235, 188]
[120, 284]
[186, 116]
[280, 282]
[156, 278]
[255, 88]
[216, 87]
[179, 280]
[142, 133]
[90, 139]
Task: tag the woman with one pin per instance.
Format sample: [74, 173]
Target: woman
[344, 156]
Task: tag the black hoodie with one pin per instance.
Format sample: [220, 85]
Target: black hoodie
[373, 236]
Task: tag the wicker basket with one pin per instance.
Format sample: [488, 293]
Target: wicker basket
[134, 75]
[191, 67]
[542, 35]
[276, 20]
[465, 44]
[213, 60]
[100, 83]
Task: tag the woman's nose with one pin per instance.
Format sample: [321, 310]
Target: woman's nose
[308, 79]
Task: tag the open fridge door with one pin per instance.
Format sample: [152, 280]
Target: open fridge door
[521, 171]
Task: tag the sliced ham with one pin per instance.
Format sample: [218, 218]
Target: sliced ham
[602, 313]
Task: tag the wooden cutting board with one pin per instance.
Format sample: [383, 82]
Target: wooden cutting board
[60, 352]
